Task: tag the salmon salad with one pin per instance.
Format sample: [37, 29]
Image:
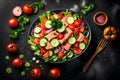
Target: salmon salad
[59, 36]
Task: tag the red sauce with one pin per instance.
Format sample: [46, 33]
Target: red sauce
[100, 18]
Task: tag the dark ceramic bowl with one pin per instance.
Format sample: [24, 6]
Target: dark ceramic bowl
[57, 11]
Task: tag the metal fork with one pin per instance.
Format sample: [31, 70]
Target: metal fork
[101, 45]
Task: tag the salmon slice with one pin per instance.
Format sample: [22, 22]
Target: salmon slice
[66, 36]
[48, 47]
[51, 35]
[80, 37]
[67, 46]
[64, 19]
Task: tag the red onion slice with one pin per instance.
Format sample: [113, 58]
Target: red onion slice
[48, 31]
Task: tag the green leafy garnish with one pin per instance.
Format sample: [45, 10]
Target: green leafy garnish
[16, 32]
[66, 12]
[56, 23]
[37, 6]
[21, 56]
[87, 9]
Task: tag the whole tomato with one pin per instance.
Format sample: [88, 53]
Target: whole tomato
[11, 47]
[27, 9]
[13, 22]
[17, 62]
[36, 72]
[55, 73]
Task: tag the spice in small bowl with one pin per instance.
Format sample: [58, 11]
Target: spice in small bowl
[100, 18]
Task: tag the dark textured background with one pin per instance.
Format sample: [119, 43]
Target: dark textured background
[106, 65]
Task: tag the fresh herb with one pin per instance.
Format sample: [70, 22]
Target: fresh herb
[45, 15]
[87, 9]
[37, 6]
[8, 70]
[27, 64]
[22, 73]
[66, 12]
[30, 41]
[76, 16]
[22, 22]
[56, 23]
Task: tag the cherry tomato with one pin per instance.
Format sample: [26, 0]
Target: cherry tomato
[55, 73]
[71, 26]
[36, 41]
[76, 30]
[60, 35]
[27, 9]
[76, 50]
[77, 22]
[43, 51]
[36, 72]
[17, 63]
[11, 47]
[13, 22]
[42, 33]
[60, 54]
[60, 16]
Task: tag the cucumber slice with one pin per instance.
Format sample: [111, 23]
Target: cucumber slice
[70, 20]
[48, 24]
[61, 29]
[55, 16]
[37, 29]
[82, 45]
[50, 52]
[71, 40]
[54, 42]
[36, 35]
[64, 58]
[43, 42]
[70, 54]
[55, 59]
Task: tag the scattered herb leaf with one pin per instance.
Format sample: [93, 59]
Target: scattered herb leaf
[27, 64]
[8, 70]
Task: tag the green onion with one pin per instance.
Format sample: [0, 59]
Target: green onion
[22, 73]
[27, 64]
[21, 56]
[8, 70]
[7, 57]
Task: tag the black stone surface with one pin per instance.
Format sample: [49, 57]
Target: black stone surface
[106, 65]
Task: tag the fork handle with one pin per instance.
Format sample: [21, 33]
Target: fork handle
[86, 66]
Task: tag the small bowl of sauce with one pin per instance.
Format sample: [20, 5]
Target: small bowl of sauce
[100, 18]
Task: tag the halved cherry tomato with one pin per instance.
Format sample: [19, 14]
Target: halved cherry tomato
[36, 72]
[46, 55]
[76, 30]
[77, 22]
[60, 16]
[27, 9]
[59, 35]
[82, 29]
[36, 41]
[76, 50]
[43, 51]
[71, 26]
[60, 54]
